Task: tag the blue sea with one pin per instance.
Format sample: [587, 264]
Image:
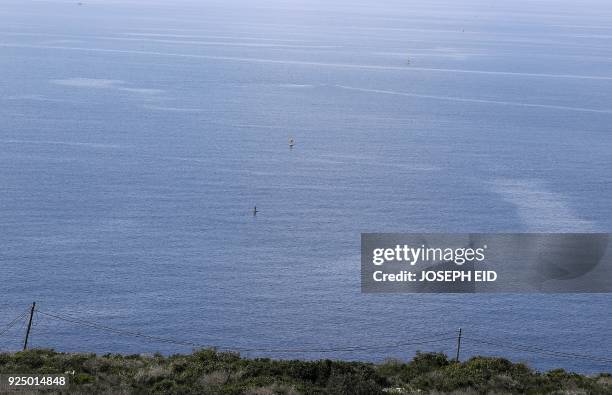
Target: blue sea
[137, 136]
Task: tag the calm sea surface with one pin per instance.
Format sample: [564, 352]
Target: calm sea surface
[136, 137]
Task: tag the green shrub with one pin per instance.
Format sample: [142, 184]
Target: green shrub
[83, 378]
[212, 372]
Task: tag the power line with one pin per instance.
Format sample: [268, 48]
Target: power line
[13, 322]
[347, 349]
[538, 350]
[434, 338]
[425, 340]
[117, 331]
[535, 349]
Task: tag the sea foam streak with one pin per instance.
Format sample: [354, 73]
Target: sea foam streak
[480, 101]
[317, 64]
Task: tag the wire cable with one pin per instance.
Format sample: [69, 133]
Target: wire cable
[63, 317]
[347, 349]
[538, 350]
[117, 331]
[13, 323]
[434, 338]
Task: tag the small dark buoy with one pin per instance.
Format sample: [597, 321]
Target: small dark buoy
[254, 210]
[291, 142]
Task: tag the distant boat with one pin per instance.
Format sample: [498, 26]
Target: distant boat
[291, 142]
[254, 210]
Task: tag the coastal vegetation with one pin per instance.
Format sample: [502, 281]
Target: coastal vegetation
[212, 372]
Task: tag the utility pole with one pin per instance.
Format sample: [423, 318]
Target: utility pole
[458, 345]
[25, 343]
